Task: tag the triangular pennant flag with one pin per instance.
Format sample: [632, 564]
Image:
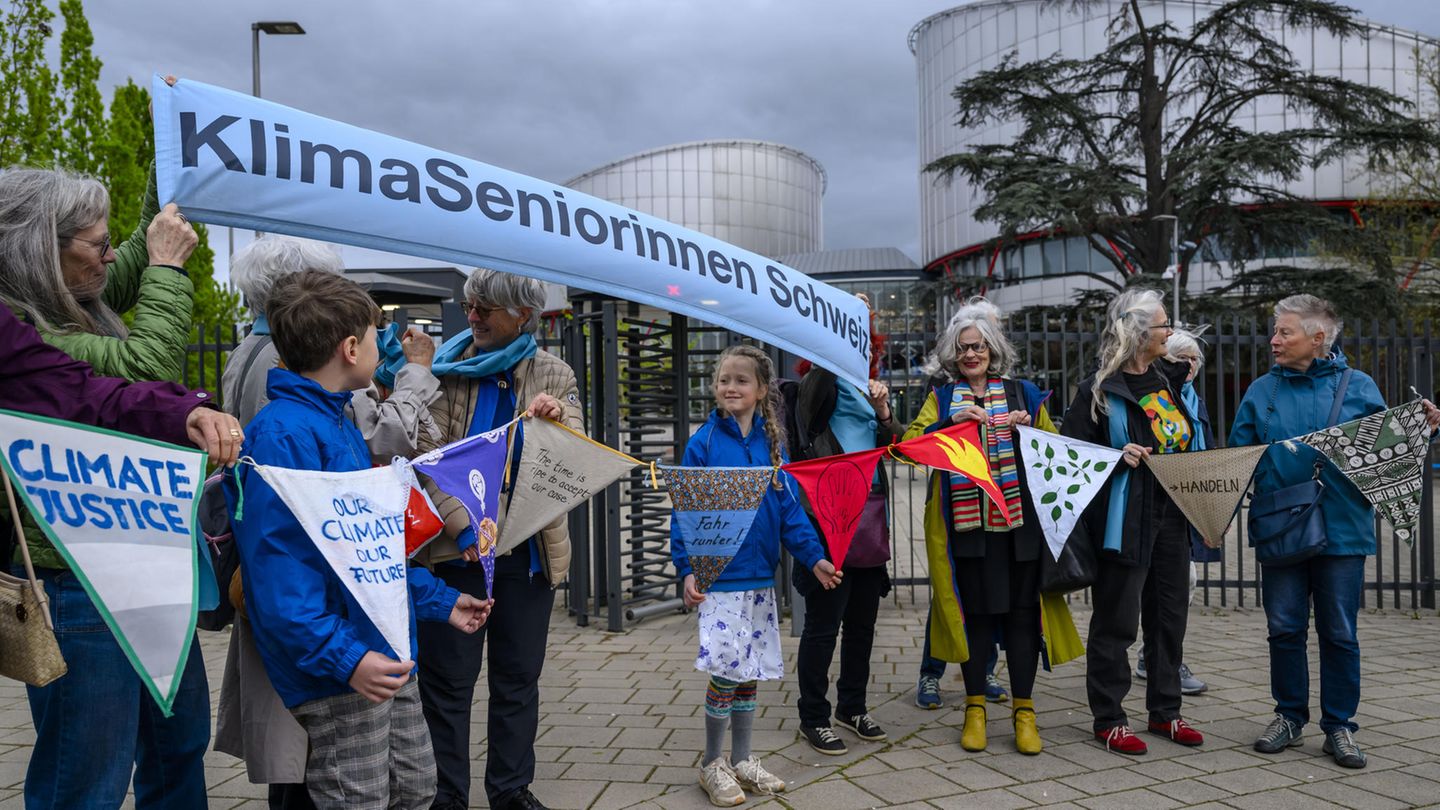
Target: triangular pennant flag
[559, 469]
[1382, 455]
[1207, 485]
[121, 511]
[472, 471]
[357, 520]
[957, 449]
[422, 521]
[714, 507]
[837, 487]
[1063, 475]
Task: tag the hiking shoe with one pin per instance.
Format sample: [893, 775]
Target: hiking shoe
[718, 780]
[1121, 740]
[927, 693]
[825, 740]
[864, 728]
[1140, 668]
[1177, 730]
[754, 776]
[994, 692]
[1189, 684]
[1279, 735]
[1340, 744]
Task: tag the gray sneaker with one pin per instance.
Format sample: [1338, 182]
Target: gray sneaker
[1282, 733]
[1189, 684]
[1340, 744]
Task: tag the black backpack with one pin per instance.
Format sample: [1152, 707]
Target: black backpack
[213, 518]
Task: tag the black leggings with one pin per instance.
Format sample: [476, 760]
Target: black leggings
[1022, 649]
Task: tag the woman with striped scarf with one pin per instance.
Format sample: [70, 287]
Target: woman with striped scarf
[984, 574]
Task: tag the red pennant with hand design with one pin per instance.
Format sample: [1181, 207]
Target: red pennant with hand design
[837, 487]
[958, 449]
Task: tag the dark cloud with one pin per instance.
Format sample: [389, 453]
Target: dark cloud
[551, 89]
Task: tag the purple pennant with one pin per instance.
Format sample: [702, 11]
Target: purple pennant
[472, 471]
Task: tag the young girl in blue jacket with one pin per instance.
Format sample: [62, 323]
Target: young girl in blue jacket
[739, 636]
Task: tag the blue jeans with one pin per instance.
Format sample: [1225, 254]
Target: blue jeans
[1334, 583]
[932, 667]
[98, 721]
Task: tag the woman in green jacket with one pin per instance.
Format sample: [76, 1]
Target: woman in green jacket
[60, 272]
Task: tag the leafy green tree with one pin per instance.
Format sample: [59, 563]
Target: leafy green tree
[1148, 128]
[83, 128]
[28, 116]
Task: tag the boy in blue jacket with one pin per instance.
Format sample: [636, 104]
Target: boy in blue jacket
[353, 693]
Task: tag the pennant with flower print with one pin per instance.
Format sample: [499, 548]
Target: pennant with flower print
[1063, 476]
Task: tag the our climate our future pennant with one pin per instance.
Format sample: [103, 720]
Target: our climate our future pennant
[121, 511]
[357, 521]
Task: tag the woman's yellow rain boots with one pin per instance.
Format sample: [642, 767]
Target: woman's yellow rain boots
[1027, 736]
[972, 738]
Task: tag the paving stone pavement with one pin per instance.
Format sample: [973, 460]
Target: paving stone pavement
[621, 726]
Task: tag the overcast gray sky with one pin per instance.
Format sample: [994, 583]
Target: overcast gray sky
[551, 89]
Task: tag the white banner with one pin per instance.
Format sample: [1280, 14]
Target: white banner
[231, 159]
[121, 511]
[357, 520]
[1063, 476]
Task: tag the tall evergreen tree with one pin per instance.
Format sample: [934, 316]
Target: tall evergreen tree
[1148, 128]
[83, 128]
[28, 116]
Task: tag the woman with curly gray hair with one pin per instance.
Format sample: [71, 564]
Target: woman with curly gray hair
[976, 557]
[1134, 403]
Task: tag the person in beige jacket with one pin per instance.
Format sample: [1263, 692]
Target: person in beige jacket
[499, 374]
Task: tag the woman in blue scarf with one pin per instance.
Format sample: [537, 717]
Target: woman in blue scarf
[490, 374]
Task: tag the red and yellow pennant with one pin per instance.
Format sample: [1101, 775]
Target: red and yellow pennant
[957, 448]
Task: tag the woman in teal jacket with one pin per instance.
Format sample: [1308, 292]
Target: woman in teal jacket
[60, 272]
[1294, 399]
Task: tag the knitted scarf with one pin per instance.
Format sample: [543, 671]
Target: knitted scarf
[995, 433]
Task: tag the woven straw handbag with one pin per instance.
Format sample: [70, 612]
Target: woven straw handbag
[28, 650]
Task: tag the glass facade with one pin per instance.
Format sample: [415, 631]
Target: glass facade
[955, 45]
[763, 197]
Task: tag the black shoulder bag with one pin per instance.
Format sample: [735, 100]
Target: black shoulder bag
[1287, 526]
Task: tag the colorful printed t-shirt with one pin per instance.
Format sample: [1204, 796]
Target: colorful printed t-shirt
[1172, 430]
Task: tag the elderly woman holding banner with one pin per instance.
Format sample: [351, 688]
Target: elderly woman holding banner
[1310, 387]
[992, 567]
[1134, 403]
[488, 376]
[61, 272]
[252, 723]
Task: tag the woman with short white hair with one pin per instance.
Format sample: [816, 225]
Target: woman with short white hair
[1312, 381]
[1134, 404]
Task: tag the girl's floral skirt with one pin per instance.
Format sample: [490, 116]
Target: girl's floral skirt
[740, 636]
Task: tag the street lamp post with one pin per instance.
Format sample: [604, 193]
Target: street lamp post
[256, 29]
[1174, 261]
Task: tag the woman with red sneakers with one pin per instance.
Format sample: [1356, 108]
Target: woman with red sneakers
[1133, 403]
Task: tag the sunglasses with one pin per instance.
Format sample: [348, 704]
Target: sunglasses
[479, 311]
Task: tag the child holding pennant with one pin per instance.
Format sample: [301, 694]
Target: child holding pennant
[739, 636]
[332, 662]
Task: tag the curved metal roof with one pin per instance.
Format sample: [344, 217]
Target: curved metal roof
[824, 178]
[850, 260]
[1395, 31]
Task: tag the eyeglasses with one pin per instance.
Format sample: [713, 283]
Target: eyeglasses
[1165, 325]
[478, 311]
[978, 348]
[1191, 360]
[103, 244]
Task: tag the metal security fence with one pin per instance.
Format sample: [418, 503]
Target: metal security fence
[644, 381]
